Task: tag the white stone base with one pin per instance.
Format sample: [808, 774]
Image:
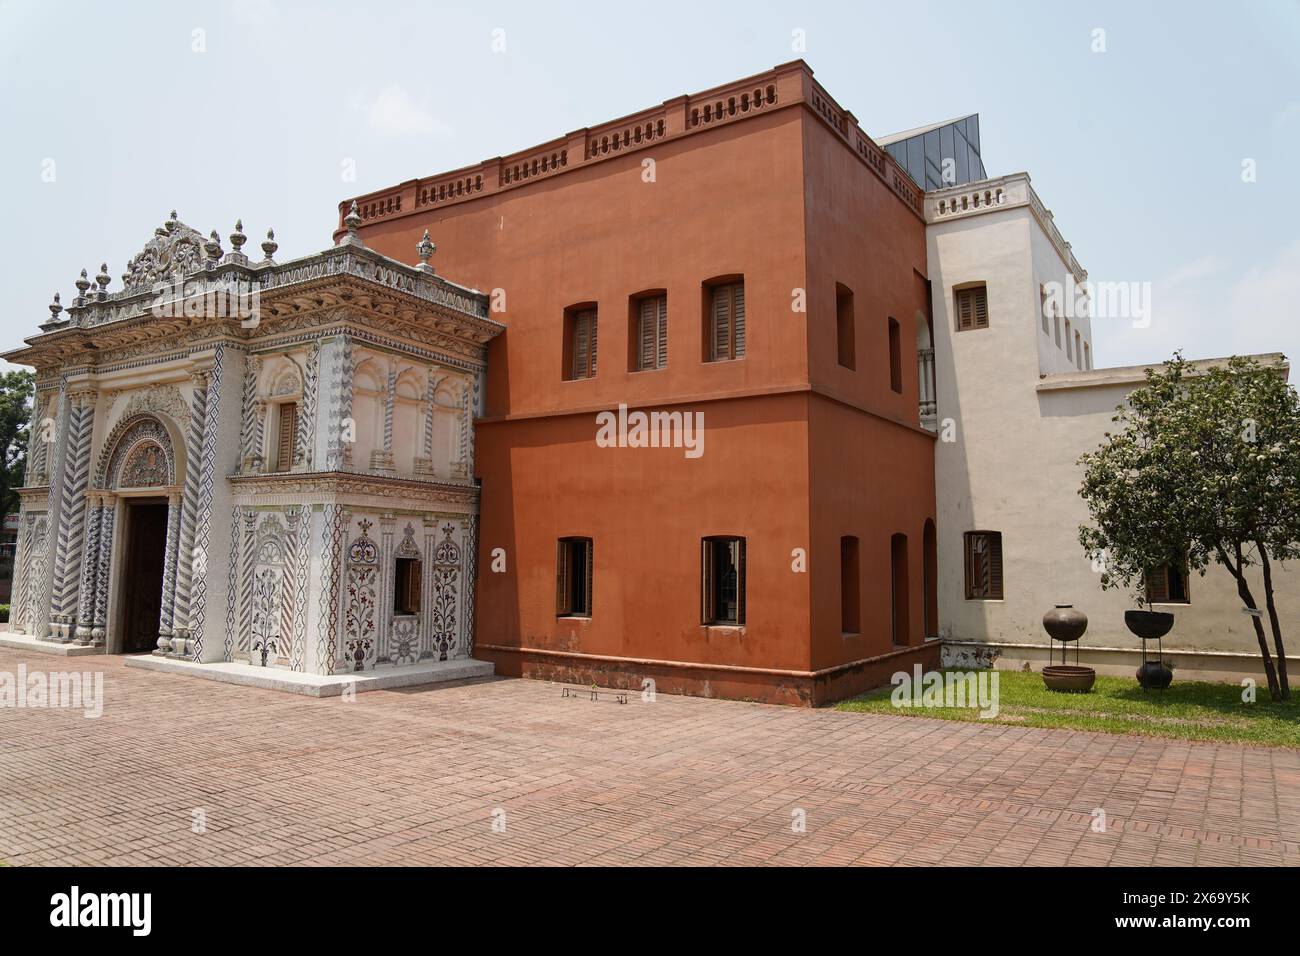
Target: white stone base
[25, 642]
[317, 685]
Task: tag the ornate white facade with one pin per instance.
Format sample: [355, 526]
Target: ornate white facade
[247, 461]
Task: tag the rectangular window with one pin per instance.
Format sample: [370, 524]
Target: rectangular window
[573, 577]
[722, 585]
[984, 565]
[1087, 357]
[1043, 309]
[895, 356]
[406, 590]
[1078, 352]
[1069, 350]
[972, 308]
[1167, 584]
[726, 322]
[844, 330]
[580, 343]
[650, 333]
[286, 436]
[850, 619]
[1056, 324]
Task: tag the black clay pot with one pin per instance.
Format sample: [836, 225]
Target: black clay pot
[1153, 675]
[1149, 625]
[1065, 623]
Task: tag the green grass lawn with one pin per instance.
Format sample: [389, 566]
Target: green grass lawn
[1191, 710]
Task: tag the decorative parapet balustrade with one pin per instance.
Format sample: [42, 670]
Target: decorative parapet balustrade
[991, 195]
[790, 84]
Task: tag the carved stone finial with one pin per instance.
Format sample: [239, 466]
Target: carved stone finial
[83, 283]
[103, 278]
[237, 238]
[270, 245]
[425, 248]
[213, 246]
[172, 222]
[55, 308]
[353, 219]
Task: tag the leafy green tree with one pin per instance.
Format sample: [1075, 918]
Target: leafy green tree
[1204, 469]
[15, 419]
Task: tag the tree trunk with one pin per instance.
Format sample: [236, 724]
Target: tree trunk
[1243, 591]
[1273, 621]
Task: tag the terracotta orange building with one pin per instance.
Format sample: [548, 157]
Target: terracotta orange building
[744, 258]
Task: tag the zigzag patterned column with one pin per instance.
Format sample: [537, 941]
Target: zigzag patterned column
[42, 601]
[108, 514]
[247, 561]
[76, 478]
[471, 581]
[90, 555]
[22, 559]
[305, 439]
[250, 431]
[189, 501]
[333, 528]
[166, 615]
[199, 566]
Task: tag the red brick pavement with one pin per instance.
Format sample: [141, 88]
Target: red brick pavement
[415, 776]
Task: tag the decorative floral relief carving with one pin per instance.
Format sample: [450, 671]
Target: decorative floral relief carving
[145, 467]
[174, 251]
[360, 609]
[446, 594]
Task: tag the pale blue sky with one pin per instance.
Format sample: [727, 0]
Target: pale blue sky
[1137, 150]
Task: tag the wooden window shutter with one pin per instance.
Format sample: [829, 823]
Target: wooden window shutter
[972, 309]
[995, 565]
[584, 343]
[706, 581]
[738, 318]
[287, 436]
[721, 322]
[646, 335]
[981, 308]
[661, 356]
[739, 544]
[586, 564]
[562, 590]
[1158, 585]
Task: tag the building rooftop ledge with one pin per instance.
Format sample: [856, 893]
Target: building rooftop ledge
[1136, 374]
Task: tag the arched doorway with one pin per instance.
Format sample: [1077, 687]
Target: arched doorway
[137, 473]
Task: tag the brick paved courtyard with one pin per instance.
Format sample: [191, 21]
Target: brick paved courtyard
[415, 776]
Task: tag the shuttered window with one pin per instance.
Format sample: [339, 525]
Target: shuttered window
[984, 565]
[722, 581]
[573, 577]
[286, 436]
[406, 590]
[652, 333]
[895, 356]
[727, 321]
[582, 343]
[1167, 584]
[972, 308]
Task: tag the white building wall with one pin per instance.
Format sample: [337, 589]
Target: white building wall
[1007, 458]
